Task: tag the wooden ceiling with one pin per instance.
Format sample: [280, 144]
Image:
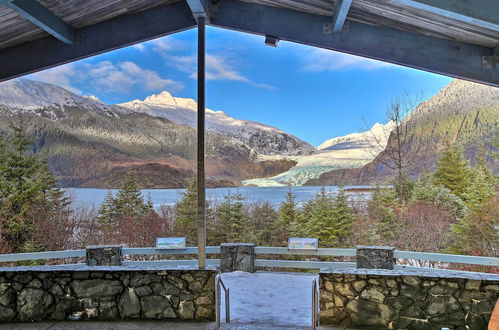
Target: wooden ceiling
[398, 16]
[15, 29]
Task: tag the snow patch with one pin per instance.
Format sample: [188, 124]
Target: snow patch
[269, 298]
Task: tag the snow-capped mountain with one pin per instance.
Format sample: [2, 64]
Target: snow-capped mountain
[28, 95]
[262, 138]
[349, 151]
[376, 136]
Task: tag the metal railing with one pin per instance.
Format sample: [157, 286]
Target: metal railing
[304, 264]
[298, 264]
[315, 305]
[219, 285]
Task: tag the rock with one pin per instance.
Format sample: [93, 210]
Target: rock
[369, 314]
[138, 279]
[56, 290]
[412, 292]
[482, 307]
[6, 314]
[34, 304]
[442, 305]
[473, 285]
[358, 286]
[129, 304]
[7, 295]
[332, 316]
[81, 275]
[373, 294]
[23, 278]
[186, 310]
[204, 300]
[96, 288]
[344, 289]
[164, 289]
[143, 291]
[476, 322]
[411, 280]
[153, 306]
[108, 310]
[205, 313]
[413, 312]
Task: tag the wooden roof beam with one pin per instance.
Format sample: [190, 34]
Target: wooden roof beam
[340, 14]
[42, 17]
[442, 56]
[198, 9]
[118, 32]
[482, 13]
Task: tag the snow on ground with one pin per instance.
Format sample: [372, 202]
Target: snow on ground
[282, 299]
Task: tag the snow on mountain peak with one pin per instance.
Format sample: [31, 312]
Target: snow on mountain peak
[162, 98]
[378, 132]
[29, 95]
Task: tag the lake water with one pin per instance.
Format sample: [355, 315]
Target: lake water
[274, 195]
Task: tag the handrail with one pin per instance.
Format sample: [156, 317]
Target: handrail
[318, 252]
[262, 250]
[303, 264]
[220, 284]
[453, 258]
[154, 251]
[315, 305]
[42, 255]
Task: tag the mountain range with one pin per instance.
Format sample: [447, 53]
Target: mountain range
[463, 112]
[92, 144]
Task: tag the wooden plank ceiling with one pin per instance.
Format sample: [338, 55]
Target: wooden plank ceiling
[383, 13]
[80, 13]
[15, 29]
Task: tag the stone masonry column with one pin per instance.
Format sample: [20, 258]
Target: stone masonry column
[103, 255]
[237, 256]
[375, 257]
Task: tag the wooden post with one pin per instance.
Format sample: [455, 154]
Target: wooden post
[201, 192]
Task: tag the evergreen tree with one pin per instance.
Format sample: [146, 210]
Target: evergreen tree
[287, 217]
[129, 200]
[127, 203]
[107, 211]
[382, 208]
[261, 226]
[26, 186]
[427, 192]
[186, 213]
[231, 220]
[328, 218]
[453, 171]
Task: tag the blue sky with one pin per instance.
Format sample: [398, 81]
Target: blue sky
[312, 93]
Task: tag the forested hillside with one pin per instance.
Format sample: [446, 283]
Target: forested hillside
[463, 113]
[90, 144]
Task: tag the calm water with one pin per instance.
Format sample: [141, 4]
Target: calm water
[274, 195]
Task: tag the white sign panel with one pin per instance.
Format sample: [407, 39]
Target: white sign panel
[170, 243]
[303, 243]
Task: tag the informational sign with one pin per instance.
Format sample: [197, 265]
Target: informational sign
[303, 243]
[170, 243]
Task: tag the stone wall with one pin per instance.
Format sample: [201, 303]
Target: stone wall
[103, 293]
[407, 300]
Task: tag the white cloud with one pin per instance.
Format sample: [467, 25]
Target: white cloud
[107, 76]
[61, 76]
[124, 76]
[217, 68]
[317, 60]
[140, 47]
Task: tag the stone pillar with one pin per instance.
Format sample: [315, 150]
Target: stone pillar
[103, 255]
[375, 257]
[237, 256]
